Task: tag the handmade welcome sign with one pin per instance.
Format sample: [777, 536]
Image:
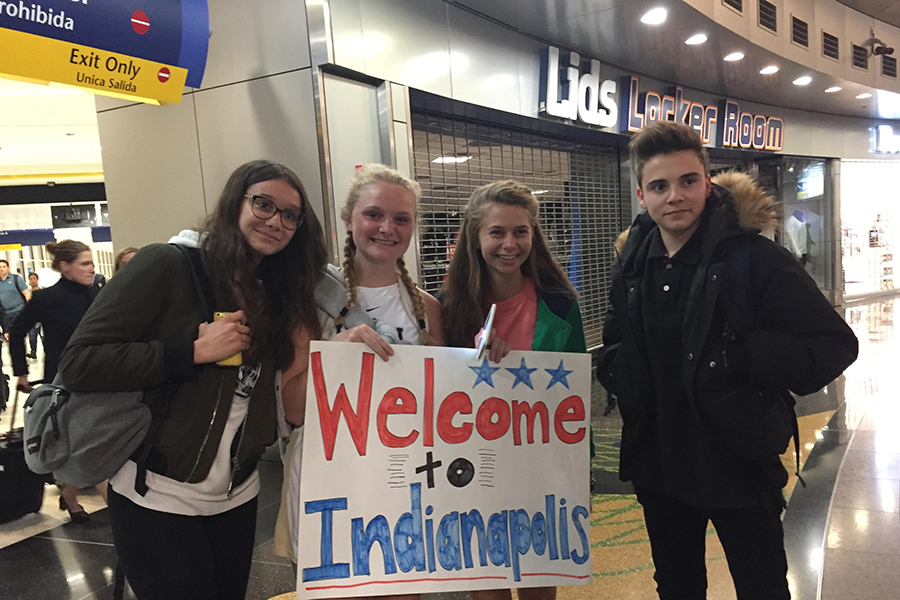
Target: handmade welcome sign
[439, 471]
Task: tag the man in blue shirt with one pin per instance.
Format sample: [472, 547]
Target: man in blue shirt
[13, 291]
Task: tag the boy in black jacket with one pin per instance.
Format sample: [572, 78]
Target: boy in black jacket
[710, 325]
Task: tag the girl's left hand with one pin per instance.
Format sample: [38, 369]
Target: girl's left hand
[368, 336]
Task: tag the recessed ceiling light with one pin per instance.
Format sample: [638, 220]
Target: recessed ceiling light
[863, 96]
[537, 192]
[451, 159]
[695, 39]
[805, 80]
[734, 56]
[768, 70]
[833, 89]
[655, 16]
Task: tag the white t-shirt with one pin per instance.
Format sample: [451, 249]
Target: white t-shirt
[210, 496]
[391, 304]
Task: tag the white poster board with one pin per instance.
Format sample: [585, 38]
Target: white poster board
[435, 471]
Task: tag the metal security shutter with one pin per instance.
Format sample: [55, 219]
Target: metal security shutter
[577, 184]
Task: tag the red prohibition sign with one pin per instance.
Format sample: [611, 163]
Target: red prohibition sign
[140, 22]
[163, 75]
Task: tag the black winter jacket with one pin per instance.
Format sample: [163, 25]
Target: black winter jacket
[58, 308]
[722, 448]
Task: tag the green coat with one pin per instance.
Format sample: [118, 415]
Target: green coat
[139, 334]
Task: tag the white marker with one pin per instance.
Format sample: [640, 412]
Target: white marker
[486, 334]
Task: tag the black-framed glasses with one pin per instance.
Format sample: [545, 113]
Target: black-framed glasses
[264, 208]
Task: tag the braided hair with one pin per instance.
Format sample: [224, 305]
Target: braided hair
[365, 176]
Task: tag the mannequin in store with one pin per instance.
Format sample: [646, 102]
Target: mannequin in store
[796, 235]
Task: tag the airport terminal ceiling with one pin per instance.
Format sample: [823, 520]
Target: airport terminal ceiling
[611, 31]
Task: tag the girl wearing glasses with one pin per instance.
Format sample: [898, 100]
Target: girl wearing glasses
[380, 217]
[183, 512]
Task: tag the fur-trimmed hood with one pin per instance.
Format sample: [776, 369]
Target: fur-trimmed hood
[756, 209]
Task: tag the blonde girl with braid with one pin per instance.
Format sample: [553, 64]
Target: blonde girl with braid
[380, 217]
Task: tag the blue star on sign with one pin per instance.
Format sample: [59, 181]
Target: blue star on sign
[558, 375]
[484, 372]
[523, 375]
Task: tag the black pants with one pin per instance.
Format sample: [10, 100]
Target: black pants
[753, 540]
[175, 557]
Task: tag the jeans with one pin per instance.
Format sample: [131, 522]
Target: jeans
[33, 337]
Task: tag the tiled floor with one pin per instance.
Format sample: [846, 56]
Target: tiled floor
[842, 529]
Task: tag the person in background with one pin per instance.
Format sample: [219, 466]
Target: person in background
[124, 255]
[34, 332]
[58, 309]
[502, 258]
[710, 324]
[183, 514]
[13, 292]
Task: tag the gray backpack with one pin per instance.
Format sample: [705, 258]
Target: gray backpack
[82, 438]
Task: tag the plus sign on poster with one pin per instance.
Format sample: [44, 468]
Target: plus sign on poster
[438, 471]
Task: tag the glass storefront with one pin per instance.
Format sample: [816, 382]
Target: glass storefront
[868, 230]
[804, 190]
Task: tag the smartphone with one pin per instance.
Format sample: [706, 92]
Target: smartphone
[231, 361]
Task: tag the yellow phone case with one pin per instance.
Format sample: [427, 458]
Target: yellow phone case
[231, 361]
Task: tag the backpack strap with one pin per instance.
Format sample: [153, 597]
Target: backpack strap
[200, 279]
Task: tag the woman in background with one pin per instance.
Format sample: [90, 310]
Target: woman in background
[58, 309]
[124, 255]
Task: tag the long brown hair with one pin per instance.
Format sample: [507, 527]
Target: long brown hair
[465, 287]
[370, 175]
[278, 294]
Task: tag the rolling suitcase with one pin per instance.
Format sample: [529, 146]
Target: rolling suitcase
[21, 491]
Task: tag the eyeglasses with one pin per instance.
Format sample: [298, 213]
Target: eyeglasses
[264, 208]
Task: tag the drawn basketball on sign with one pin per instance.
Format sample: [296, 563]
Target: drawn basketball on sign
[140, 22]
[460, 472]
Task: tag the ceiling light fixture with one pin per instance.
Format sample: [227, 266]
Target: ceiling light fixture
[768, 70]
[656, 16]
[863, 96]
[538, 192]
[698, 38]
[805, 80]
[833, 89]
[734, 56]
[451, 159]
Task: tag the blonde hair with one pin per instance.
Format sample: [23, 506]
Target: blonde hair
[365, 176]
[467, 281]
